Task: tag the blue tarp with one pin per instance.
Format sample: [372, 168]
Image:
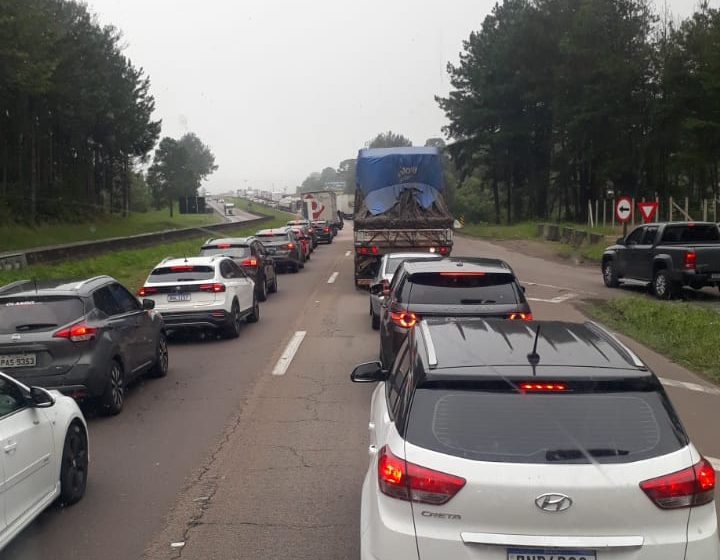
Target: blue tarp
[383, 173]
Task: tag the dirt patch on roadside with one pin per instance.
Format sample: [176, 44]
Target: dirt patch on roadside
[547, 250]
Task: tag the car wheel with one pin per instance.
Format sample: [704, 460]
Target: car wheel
[273, 287]
[162, 358]
[374, 321]
[295, 268]
[254, 316]
[233, 328]
[113, 399]
[609, 275]
[263, 291]
[74, 467]
[662, 285]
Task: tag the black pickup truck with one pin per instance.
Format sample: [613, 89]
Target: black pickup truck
[666, 256]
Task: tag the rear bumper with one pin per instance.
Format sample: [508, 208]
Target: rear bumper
[82, 380]
[698, 279]
[325, 237]
[196, 319]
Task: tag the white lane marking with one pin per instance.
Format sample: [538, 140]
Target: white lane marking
[557, 299]
[347, 253]
[690, 386]
[284, 361]
[714, 462]
[558, 287]
[333, 277]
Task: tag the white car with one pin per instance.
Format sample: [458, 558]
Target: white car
[44, 440]
[509, 440]
[202, 292]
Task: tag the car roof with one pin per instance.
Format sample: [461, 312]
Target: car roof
[413, 255]
[209, 260]
[489, 347]
[24, 288]
[457, 264]
[274, 231]
[230, 240]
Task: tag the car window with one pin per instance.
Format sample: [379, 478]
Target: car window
[237, 271]
[182, 273]
[38, 313]
[649, 235]
[691, 233]
[236, 251]
[125, 300]
[461, 289]
[106, 302]
[397, 378]
[11, 397]
[272, 237]
[635, 237]
[226, 270]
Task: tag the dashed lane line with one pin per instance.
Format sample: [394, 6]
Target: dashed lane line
[714, 462]
[347, 253]
[690, 386]
[333, 277]
[558, 288]
[291, 349]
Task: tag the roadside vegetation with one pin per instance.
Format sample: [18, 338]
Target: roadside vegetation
[687, 334]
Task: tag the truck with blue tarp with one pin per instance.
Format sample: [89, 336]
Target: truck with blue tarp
[399, 206]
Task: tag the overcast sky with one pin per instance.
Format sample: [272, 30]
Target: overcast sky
[280, 88]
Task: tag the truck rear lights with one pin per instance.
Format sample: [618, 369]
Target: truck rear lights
[694, 486]
[520, 317]
[146, 291]
[403, 319]
[252, 262]
[406, 481]
[213, 288]
[690, 259]
[444, 250]
[78, 332]
[368, 251]
[534, 387]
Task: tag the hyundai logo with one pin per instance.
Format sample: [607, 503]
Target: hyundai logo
[553, 502]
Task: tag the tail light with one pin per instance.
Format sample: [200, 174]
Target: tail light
[403, 319]
[367, 251]
[694, 486]
[252, 261]
[326, 229]
[405, 481]
[444, 250]
[146, 291]
[534, 387]
[213, 288]
[224, 246]
[520, 317]
[690, 259]
[78, 332]
[291, 246]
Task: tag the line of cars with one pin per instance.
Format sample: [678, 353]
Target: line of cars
[496, 436]
[87, 340]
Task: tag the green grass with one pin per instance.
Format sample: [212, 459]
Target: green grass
[524, 230]
[103, 227]
[687, 334]
[586, 253]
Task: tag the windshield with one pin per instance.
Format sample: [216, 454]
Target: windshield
[691, 234]
[272, 237]
[181, 273]
[460, 289]
[236, 251]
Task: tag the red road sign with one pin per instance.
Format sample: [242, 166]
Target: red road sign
[647, 211]
[623, 209]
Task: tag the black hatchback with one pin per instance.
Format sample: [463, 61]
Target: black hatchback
[87, 338]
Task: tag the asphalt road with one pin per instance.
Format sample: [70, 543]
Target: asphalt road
[224, 460]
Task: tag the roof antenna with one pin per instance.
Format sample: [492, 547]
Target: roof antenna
[35, 283]
[533, 357]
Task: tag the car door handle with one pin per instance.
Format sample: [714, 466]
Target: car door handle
[10, 447]
[372, 450]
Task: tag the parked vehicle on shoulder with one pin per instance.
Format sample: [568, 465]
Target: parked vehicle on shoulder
[87, 339]
[666, 256]
[45, 440]
[283, 248]
[211, 292]
[324, 231]
[559, 421]
[251, 256]
[449, 287]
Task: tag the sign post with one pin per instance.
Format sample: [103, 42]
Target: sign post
[647, 211]
[623, 211]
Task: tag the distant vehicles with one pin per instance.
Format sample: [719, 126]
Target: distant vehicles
[229, 208]
[346, 205]
[308, 228]
[305, 241]
[283, 248]
[322, 206]
[323, 231]
[667, 256]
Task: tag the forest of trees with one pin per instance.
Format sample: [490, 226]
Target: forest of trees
[556, 102]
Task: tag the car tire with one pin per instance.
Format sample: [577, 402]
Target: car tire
[162, 358]
[232, 330]
[254, 316]
[263, 291]
[113, 399]
[74, 466]
[610, 274]
[295, 268]
[663, 287]
[374, 321]
[273, 286]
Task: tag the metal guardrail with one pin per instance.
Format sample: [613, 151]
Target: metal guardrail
[49, 255]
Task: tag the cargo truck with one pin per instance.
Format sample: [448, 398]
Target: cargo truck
[322, 205]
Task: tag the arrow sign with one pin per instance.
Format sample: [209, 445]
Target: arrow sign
[623, 209]
[647, 211]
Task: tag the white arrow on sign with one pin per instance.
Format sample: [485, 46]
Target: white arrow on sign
[623, 209]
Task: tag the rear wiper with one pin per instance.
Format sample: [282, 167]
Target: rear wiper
[573, 454]
[476, 301]
[34, 326]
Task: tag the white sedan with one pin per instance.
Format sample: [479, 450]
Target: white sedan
[44, 442]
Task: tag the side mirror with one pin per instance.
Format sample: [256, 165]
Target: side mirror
[620, 241]
[369, 372]
[522, 288]
[41, 398]
[148, 304]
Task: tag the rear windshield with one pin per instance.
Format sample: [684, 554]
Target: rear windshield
[33, 314]
[265, 237]
[182, 273]
[705, 233]
[460, 289]
[559, 428]
[394, 262]
[236, 251]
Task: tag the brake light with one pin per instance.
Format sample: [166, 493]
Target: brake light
[405, 481]
[146, 291]
[184, 268]
[403, 319]
[444, 250]
[252, 261]
[79, 332]
[291, 245]
[224, 246]
[367, 250]
[543, 387]
[690, 259]
[460, 274]
[520, 317]
[326, 229]
[694, 486]
[212, 288]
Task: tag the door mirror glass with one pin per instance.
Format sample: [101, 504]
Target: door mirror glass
[41, 398]
[376, 289]
[369, 372]
[148, 304]
[620, 241]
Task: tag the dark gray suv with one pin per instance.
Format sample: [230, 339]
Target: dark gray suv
[87, 339]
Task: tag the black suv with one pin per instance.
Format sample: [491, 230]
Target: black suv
[250, 254]
[283, 248]
[449, 287]
[324, 231]
[87, 338]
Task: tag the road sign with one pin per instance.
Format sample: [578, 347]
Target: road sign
[623, 209]
[647, 211]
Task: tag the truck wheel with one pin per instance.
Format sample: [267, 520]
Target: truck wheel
[663, 286]
[609, 275]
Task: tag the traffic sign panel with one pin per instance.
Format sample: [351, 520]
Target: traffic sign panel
[623, 209]
[647, 211]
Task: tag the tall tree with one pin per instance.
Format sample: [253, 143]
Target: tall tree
[389, 139]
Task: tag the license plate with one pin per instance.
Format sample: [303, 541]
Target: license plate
[178, 297]
[715, 276]
[549, 554]
[17, 360]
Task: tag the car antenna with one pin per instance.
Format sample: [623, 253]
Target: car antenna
[35, 283]
[533, 357]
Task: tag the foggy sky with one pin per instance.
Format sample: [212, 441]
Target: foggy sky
[281, 88]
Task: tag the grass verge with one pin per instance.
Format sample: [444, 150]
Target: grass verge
[687, 334]
[105, 226]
